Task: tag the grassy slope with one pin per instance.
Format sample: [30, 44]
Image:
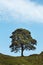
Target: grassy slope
[30, 60]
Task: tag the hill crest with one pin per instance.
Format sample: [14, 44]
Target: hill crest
[35, 59]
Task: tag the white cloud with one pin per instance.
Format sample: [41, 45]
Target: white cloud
[22, 9]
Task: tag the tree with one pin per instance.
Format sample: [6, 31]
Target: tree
[22, 40]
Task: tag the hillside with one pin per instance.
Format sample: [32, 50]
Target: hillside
[35, 59]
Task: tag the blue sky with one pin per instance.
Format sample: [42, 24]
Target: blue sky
[21, 14]
[38, 1]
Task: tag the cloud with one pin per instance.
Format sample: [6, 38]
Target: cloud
[21, 9]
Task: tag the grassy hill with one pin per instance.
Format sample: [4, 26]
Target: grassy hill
[35, 59]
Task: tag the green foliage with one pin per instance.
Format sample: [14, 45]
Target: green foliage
[35, 59]
[22, 40]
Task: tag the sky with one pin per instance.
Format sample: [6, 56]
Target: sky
[27, 14]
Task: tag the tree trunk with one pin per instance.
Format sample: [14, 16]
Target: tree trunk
[21, 50]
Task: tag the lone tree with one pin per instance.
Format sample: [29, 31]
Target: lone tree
[22, 40]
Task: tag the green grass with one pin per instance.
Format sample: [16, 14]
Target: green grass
[35, 59]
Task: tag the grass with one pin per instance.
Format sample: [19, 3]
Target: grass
[35, 59]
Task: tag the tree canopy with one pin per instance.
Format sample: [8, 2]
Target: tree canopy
[22, 40]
